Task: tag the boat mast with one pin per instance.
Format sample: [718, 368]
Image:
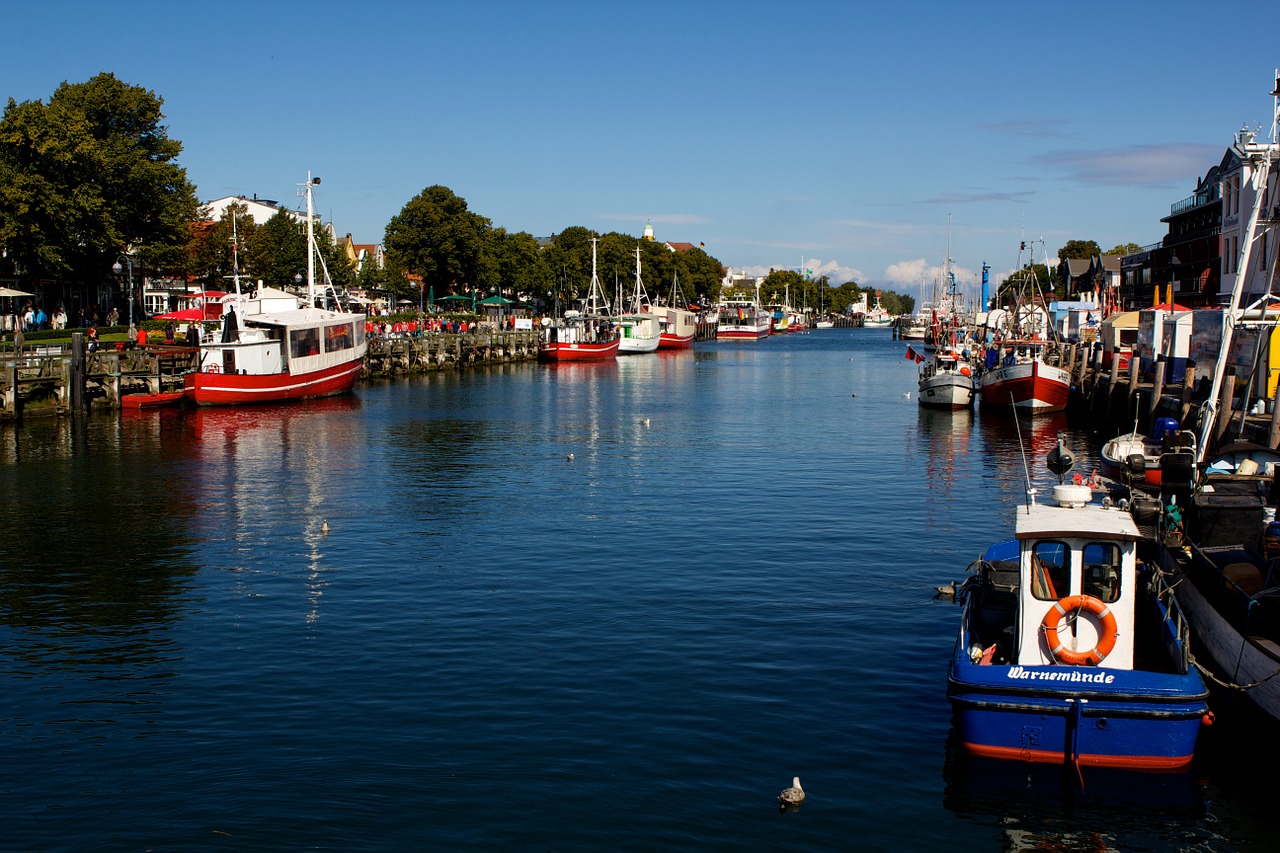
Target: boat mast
[311, 244]
[1261, 156]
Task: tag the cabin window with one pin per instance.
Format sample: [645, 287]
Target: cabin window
[304, 342]
[1101, 571]
[338, 337]
[1050, 570]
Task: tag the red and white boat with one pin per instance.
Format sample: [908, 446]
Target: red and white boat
[742, 319]
[579, 336]
[1026, 378]
[678, 326]
[1023, 367]
[274, 346]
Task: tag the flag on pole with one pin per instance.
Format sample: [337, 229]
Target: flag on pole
[912, 355]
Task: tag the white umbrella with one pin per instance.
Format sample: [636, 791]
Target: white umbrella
[9, 291]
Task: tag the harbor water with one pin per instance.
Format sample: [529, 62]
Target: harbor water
[609, 606]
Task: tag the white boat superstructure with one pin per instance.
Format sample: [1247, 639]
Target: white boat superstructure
[638, 325]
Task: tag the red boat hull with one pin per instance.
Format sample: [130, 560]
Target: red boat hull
[558, 351]
[671, 341]
[1033, 386]
[219, 389]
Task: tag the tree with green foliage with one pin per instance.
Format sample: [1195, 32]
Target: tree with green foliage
[89, 175]
[435, 236]
[276, 251]
[516, 263]
[209, 253]
[1079, 249]
[1125, 249]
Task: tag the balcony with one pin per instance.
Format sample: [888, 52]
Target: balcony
[1191, 202]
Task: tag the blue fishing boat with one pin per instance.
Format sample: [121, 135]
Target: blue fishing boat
[1070, 652]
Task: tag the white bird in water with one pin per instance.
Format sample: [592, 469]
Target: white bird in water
[948, 591]
[792, 796]
[569, 457]
[644, 421]
[906, 395]
[324, 527]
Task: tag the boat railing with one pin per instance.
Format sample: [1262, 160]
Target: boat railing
[1181, 646]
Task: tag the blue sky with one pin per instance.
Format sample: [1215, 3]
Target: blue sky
[844, 134]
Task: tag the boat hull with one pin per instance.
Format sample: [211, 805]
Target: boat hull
[1114, 453]
[670, 340]
[631, 346]
[555, 351]
[1030, 386]
[230, 389]
[1088, 716]
[742, 333]
[1205, 598]
[947, 391]
[152, 401]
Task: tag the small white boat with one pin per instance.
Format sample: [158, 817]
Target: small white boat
[946, 381]
[638, 327]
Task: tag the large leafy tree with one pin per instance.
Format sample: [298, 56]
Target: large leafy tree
[89, 175]
[211, 252]
[276, 252]
[1079, 249]
[1123, 249]
[434, 235]
[514, 262]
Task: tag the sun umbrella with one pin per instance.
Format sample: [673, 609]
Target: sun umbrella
[9, 291]
[184, 314]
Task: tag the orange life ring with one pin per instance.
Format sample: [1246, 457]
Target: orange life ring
[212, 368]
[1106, 642]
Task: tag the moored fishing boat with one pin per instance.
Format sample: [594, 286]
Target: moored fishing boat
[1068, 653]
[877, 317]
[274, 346]
[742, 320]
[946, 379]
[638, 327]
[678, 326]
[578, 335]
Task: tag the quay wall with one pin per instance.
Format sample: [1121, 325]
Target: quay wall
[39, 380]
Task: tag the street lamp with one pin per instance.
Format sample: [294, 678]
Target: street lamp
[117, 269]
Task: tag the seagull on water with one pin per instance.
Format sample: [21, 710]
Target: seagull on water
[792, 796]
[906, 395]
[569, 457]
[644, 421]
[324, 527]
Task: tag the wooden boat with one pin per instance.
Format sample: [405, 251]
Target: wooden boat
[152, 401]
[274, 346]
[1067, 654]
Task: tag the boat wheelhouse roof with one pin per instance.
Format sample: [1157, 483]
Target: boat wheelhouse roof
[300, 318]
[1039, 521]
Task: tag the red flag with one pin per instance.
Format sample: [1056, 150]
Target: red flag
[912, 355]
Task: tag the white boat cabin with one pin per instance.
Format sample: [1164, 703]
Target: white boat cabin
[278, 334]
[1067, 551]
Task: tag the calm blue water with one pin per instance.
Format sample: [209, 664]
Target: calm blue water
[500, 647]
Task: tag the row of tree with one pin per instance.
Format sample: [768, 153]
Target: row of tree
[1051, 281]
[93, 174]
